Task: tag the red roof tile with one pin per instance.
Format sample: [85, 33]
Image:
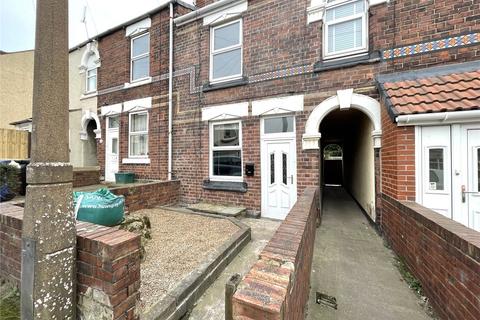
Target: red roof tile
[452, 92]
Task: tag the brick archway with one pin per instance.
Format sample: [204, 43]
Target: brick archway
[344, 100]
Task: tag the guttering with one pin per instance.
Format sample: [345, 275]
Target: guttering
[438, 118]
[170, 94]
[132, 21]
[200, 13]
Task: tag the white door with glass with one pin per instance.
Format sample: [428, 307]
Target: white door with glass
[279, 166]
[449, 173]
[467, 193]
[111, 148]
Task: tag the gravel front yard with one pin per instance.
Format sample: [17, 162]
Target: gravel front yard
[180, 242]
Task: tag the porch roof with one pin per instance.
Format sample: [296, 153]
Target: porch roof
[453, 87]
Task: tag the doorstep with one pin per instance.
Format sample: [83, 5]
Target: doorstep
[227, 211]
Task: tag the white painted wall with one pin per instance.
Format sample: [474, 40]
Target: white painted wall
[359, 165]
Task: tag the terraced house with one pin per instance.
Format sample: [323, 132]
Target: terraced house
[249, 102]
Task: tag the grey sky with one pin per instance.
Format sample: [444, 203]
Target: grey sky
[17, 19]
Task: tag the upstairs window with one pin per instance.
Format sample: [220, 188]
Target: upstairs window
[226, 51]
[91, 80]
[140, 57]
[345, 28]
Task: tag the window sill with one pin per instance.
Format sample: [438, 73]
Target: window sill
[136, 161]
[225, 84]
[225, 186]
[88, 95]
[137, 83]
[343, 62]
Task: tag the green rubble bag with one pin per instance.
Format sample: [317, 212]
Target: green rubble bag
[100, 207]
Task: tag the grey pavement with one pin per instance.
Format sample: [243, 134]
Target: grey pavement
[211, 305]
[352, 264]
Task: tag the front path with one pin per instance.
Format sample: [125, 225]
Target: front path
[211, 305]
[352, 264]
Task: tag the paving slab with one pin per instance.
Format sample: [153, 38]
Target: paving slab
[352, 264]
[227, 211]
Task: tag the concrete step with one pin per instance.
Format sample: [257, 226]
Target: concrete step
[227, 211]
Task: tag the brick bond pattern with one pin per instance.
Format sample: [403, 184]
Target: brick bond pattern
[278, 285]
[85, 177]
[108, 264]
[443, 254]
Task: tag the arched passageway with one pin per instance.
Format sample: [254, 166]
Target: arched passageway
[353, 122]
[90, 146]
[355, 169]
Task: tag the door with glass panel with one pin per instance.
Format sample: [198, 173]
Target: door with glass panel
[111, 148]
[436, 169]
[279, 166]
[467, 188]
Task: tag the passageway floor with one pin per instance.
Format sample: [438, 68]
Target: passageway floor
[352, 264]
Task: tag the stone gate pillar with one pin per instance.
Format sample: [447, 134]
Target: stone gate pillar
[48, 236]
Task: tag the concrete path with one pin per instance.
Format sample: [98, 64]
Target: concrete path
[211, 306]
[352, 264]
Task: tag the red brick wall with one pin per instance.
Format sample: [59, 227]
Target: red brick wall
[108, 265]
[279, 38]
[85, 177]
[397, 159]
[278, 285]
[149, 195]
[443, 254]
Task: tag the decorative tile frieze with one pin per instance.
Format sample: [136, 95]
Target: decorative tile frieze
[430, 46]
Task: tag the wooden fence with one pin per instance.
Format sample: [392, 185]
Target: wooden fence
[13, 144]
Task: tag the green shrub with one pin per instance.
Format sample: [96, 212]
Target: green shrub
[9, 175]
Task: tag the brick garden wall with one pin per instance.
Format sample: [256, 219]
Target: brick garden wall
[149, 195]
[85, 177]
[443, 254]
[278, 285]
[108, 265]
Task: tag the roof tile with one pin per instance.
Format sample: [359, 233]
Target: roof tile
[451, 92]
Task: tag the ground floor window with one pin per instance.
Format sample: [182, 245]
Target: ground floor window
[226, 151]
[138, 135]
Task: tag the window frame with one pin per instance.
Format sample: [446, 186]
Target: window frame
[87, 77]
[326, 25]
[143, 55]
[212, 148]
[130, 134]
[214, 52]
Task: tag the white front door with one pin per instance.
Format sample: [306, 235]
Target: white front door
[111, 148]
[436, 169]
[449, 176]
[468, 192]
[279, 166]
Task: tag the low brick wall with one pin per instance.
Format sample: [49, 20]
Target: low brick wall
[108, 266]
[278, 284]
[149, 195]
[86, 176]
[443, 254]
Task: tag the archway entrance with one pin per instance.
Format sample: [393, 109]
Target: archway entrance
[351, 123]
[90, 146]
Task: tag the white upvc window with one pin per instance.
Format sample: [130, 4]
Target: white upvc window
[226, 51]
[226, 151]
[345, 30]
[140, 57]
[91, 80]
[138, 135]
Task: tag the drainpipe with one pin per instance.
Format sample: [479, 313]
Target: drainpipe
[170, 93]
